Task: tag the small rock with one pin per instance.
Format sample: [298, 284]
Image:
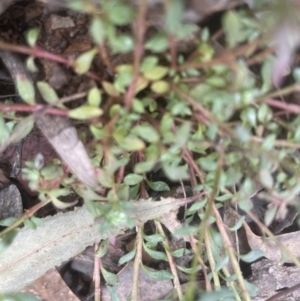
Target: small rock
[61, 22]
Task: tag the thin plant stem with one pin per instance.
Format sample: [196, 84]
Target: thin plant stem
[136, 264]
[172, 263]
[231, 252]
[211, 260]
[232, 284]
[24, 216]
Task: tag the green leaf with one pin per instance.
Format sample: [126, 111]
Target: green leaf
[148, 63]
[157, 275]
[137, 106]
[249, 117]
[4, 132]
[174, 16]
[158, 186]
[47, 92]
[122, 44]
[154, 238]
[30, 64]
[222, 294]
[97, 30]
[266, 74]
[127, 257]
[182, 134]
[143, 167]
[270, 214]
[157, 43]
[32, 35]
[52, 171]
[110, 278]
[59, 204]
[94, 97]
[29, 224]
[87, 193]
[252, 255]
[7, 239]
[221, 264]
[25, 89]
[120, 13]
[102, 250]
[156, 73]
[110, 89]
[296, 74]
[84, 61]
[224, 197]
[238, 224]
[180, 252]
[113, 293]
[37, 221]
[245, 204]
[85, 112]
[186, 230]
[146, 132]
[190, 271]
[133, 179]
[266, 178]
[134, 192]
[196, 207]
[251, 288]
[22, 129]
[7, 221]
[232, 27]
[155, 254]
[123, 193]
[131, 143]
[160, 87]
[269, 142]
[175, 172]
[264, 114]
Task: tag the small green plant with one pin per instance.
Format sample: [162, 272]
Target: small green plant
[199, 116]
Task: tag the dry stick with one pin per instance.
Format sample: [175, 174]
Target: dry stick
[24, 216]
[20, 107]
[231, 252]
[140, 28]
[136, 264]
[97, 280]
[172, 263]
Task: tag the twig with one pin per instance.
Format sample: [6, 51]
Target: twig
[140, 28]
[136, 264]
[172, 263]
[24, 216]
[20, 107]
[41, 53]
